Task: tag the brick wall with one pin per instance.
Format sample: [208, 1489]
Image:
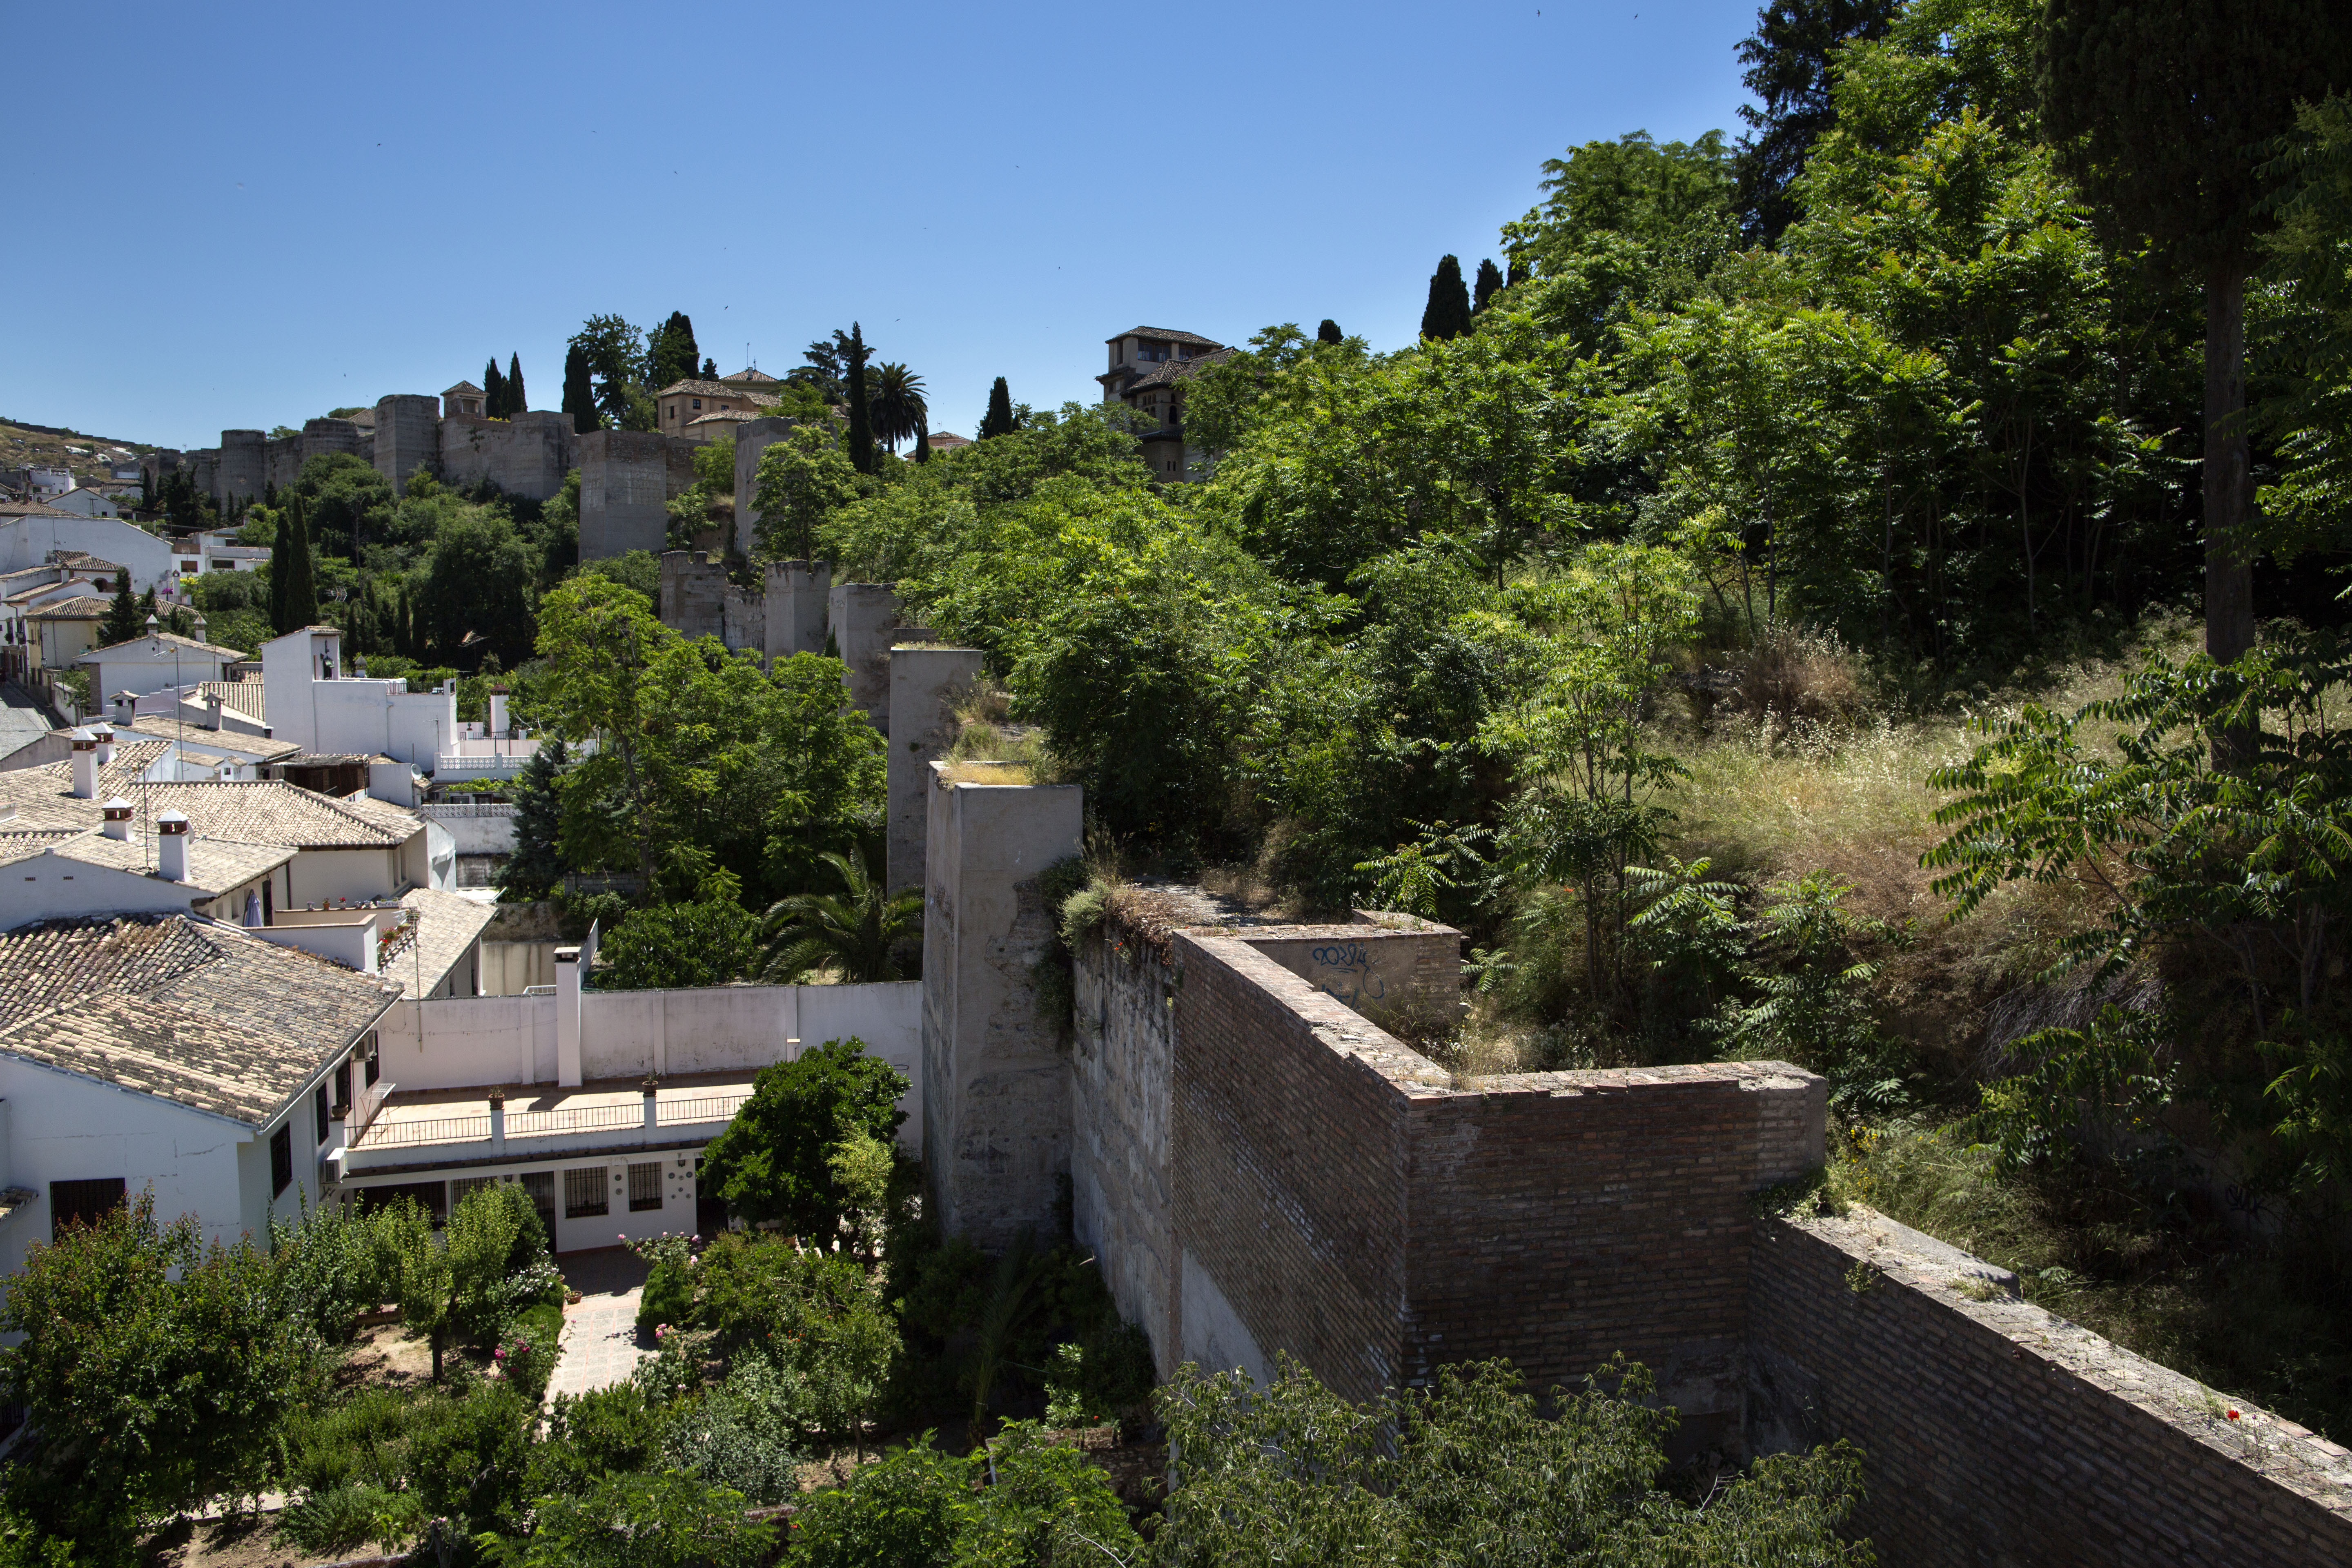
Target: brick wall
[1999, 1434]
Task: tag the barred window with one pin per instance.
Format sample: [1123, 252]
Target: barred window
[460, 1186]
[539, 1188]
[82, 1203]
[583, 1192]
[644, 1188]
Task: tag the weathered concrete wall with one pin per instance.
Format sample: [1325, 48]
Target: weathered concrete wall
[862, 619]
[527, 454]
[1998, 1436]
[926, 683]
[996, 1084]
[797, 592]
[752, 437]
[1122, 1085]
[627, 479]
[407, 435]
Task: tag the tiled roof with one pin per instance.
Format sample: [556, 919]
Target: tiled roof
[80, 560]
[271, 811]
[193, 735]
[215, 865]
[189, 644]
[80, 607]
[32, 509]
[43, 796]
[180, 1008]
[726, 417]
[446, 925]
[1170, 333]
[463, 386]
[756, 376]
[717, 389]
[244, 696]
[1167, 372]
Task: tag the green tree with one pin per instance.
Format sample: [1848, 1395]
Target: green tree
[854, 355]
[580, 390]
[900, 410]
[479, 582]
[803, 478]
[122, 621]
[494, 390]
[302, 605]
[518, 400]
[859, 933]
[1790, 60]
[1328, 332]
[2164, 110]
[774, 1161]
[638, 1521]
[704, 940]
[1490, 283]
[347, 504]
[2311, 339]
[155, 1372]
[670, 352]
[998, 420]
[615, 355]
[1447, 314]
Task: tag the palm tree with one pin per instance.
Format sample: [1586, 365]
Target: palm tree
[900, 410]
[859, 932]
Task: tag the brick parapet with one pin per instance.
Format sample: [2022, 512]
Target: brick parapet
[1999, 1434]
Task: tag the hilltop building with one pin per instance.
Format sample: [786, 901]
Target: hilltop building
[698, 409]
[1148, 367]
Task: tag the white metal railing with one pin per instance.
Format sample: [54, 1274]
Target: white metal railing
[583, 1118]
[447, 761]
[710, 1107]
[429, 1130]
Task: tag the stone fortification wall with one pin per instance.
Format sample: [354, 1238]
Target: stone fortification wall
[242, 466]
[527, 454]
[407, 435]
[627, 479]
[1998, 1435]
[752, 437]
[926, 683]
[283, 457]
[863, 620]
[797, 592]
[1122, 1077]
[697, 601]
[996, 1085]
[1402, 973]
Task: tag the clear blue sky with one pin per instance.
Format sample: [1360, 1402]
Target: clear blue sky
[277, 210]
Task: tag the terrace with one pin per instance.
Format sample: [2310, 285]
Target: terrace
[462, 1126]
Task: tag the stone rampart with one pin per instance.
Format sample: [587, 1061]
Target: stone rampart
[926, 683]
[526, 455]
[407, 435]
[752, 437]
[243, 468]
[627, 479]
[797, 592]
[1998, 1435]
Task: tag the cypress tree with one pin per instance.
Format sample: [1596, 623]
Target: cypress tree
[517, 402]
[579, 391]
[1447, 314]
[301, 588]
[998, 421]
[922, 437]
[1328, 332]
[281, 566]
[861, 414]
[1490, 283]
[2165, 112]
[711, 370]
[494, 390]
[121, 624]
[673, 354]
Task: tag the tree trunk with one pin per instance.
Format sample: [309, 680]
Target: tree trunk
[2229, 565]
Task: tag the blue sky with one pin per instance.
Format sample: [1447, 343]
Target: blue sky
[281, 210]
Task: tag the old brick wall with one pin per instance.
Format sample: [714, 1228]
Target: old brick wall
[1558, 1218]
[1998, 1436]
[1402, 973]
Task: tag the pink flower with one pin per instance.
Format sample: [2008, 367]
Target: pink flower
[498, 1355]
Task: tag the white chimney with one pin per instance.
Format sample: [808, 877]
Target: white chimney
[117, 812]
[85, 765]
[126, 706]
[172, 846]
[105, 735]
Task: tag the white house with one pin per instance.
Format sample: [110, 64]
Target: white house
[172, 1053]
[28, 535]
[153, 662]
[86, 502]
[313, 702]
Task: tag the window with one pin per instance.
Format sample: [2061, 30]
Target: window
[319, 1110]
[434, 1197]
[460, 1186]
[539, 1186]
[696, 402]
[368, 1049]
[281, 1160]
[583, 1192]
[82, 1203]
[644, 1188]
[344, 1085]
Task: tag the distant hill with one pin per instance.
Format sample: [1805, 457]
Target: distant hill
[48, 446]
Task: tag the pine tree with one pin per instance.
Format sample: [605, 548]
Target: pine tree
[494, 390]
[301, 588]
[1490, 283]
[2165, 111]
[579, 393]
[1790, 59]
[998, 420]
[1447, 315]
[1328, 332]
[711, 370]
[517, 401]
[861, 414]
[122, 622]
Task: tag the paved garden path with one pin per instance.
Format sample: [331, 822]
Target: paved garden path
[600, 1343]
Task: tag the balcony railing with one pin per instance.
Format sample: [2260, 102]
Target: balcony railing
[583, 1118]
[433, 1129]
[391, 944]
[711, 1108]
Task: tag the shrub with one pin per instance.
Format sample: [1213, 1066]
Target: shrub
[725, 1441]
[596, 1434]
[343, 1517]
[667, 1521]
[667, 1297]
[774, 1159]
